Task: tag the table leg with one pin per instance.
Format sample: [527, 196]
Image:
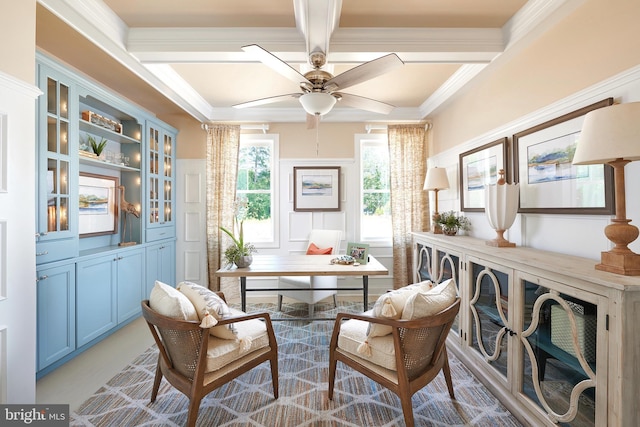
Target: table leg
[365, 292]
[243, 293]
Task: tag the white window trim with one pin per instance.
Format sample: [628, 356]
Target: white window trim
[359, 140]
[274, 140]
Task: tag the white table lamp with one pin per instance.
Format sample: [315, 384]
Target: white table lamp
[435, 181]
[501, 207]
[611, 135]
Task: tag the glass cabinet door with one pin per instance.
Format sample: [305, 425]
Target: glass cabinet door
[160, 181]
[489, 308]
[56, 165]
[424, 263]
[559, 357]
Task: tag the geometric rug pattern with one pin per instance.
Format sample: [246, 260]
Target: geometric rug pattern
[303, 365]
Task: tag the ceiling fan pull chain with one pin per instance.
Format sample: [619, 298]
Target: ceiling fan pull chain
[317, 118]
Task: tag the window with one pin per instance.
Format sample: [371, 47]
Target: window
[375, 200]
[257, 172]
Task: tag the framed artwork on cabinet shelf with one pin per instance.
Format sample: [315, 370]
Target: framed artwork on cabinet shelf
[316, 188]
[478, 168]
[549, 182]
[360, 251]
[98, 210]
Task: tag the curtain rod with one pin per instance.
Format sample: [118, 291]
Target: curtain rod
[263, 127]
[371, 127]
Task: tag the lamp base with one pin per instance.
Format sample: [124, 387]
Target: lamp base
[627, 264]
[500, 241]
[435, 227]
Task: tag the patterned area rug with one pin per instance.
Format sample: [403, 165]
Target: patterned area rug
[303, 371]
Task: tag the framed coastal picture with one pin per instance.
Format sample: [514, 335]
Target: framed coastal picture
[98, 210]
[360, 251]
[549, 182]
[316, 188]
[478, 168]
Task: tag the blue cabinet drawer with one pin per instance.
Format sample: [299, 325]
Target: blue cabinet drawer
[56, 250]
[160, 233]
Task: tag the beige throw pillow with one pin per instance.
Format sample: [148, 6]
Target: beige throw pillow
[206, 302]
[169, 302]
[390, 306]
[423, 304]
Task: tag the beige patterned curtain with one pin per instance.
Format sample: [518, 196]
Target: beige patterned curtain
[409, 203]
[223, 145]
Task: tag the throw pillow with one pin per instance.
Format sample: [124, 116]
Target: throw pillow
[315, 250]
[169, 302]
[208, 302]
[391, 304]
[423, 304]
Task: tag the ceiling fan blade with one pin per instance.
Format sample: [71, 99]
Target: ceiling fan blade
[363, 103]
[366, 71]
[269, 100]
[275, 63]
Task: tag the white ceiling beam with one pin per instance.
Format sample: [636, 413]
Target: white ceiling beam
[348, 45]
[317, 20]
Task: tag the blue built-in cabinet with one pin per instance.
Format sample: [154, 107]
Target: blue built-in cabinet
[95, 264]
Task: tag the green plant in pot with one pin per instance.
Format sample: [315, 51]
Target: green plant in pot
[451, 222]
[240, 252]
[96, 146]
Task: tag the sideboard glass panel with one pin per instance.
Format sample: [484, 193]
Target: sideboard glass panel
[489, 309]
[554, 365]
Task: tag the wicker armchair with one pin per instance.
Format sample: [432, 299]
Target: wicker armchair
[182, 360]
[418, 348]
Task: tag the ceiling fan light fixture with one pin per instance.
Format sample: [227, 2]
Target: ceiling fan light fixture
[317, 103]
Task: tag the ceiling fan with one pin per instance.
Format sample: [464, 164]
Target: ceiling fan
[320, 89]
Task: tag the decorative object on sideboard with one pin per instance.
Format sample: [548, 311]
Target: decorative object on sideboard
[128, 209]
[451, 223]
[501, 207]
[611, 135]
[435, 181]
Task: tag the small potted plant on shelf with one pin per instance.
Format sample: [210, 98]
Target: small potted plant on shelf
[96, 146]
[240, 253]
[451, 222]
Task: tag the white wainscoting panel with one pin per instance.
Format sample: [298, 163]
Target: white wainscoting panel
[193, 188]
[193, 226]
[299, 226]
[192, 266]
[3, 153]
[3, 260]
[3, 365]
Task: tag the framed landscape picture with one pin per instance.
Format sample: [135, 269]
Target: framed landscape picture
[98, 214]
[316, 188]
[549, 182]
[478, 168]
[360, 251]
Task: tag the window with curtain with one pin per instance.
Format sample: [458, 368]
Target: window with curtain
[375, 190]
[256, 183]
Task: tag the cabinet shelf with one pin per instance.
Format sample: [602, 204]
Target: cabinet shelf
[107, 133]
[107, 165]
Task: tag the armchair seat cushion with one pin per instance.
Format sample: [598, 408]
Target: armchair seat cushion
[221, 352]
[354, 332]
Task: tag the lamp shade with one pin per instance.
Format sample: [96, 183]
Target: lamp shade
[436, 179]
[609, 133]
[317, 102]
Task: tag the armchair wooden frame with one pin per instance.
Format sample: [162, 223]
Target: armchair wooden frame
[417, 362]
[183, 353]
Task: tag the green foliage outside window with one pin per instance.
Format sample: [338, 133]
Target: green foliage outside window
[254, 181]
[375, 180]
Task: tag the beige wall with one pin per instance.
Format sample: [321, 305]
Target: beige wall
[19, 28]
[335, 140]
[598, 40]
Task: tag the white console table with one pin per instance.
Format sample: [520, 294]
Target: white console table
[535, 326]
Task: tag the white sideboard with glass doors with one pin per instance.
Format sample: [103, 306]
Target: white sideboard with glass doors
[553, 338]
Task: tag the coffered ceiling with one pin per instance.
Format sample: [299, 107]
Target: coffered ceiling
[171, 56]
